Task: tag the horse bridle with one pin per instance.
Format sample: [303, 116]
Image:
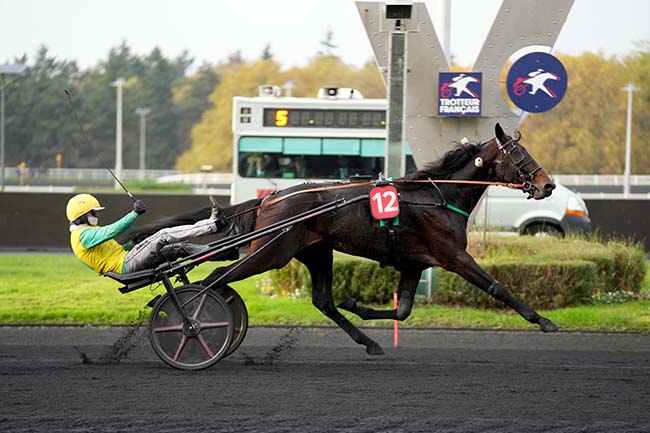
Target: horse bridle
[512, 149]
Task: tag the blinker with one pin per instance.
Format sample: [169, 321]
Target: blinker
[516, 155]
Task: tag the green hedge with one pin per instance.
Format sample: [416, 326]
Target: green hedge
[540, 284]
[544, 273]
[352, 278]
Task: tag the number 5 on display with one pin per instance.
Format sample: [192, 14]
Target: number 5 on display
[281, 117]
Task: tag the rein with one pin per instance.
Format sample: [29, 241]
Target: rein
[352, 185]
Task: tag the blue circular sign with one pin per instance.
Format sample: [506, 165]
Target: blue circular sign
[537, 82]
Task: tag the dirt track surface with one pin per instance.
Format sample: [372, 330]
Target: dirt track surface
[317, 380]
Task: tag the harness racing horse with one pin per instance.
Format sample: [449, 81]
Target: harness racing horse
[431, 232]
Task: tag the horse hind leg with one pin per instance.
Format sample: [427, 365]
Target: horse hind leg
[407, 286]
[318, 259]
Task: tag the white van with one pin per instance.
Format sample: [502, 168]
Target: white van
[507, 209]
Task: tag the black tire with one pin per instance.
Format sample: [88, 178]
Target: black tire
[543, 229]
[239, 315]
[175, 344]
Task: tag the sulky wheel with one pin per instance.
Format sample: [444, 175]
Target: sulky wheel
[202, 342]
[239, 315]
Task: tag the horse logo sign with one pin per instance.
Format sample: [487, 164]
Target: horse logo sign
[459, 94]
[537, 82]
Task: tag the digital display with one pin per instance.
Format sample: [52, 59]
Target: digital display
[314, 118]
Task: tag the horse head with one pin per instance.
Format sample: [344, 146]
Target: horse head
[513, 164]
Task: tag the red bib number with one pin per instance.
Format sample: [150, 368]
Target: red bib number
[383, 202]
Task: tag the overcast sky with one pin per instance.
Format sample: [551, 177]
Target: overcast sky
[84, 30]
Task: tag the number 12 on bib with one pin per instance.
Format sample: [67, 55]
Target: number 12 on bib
[384, 202]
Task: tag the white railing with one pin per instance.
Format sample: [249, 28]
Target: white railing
[99, 173]
[198, 178]
[600, 180]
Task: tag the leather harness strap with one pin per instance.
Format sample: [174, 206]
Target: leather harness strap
[353, 185]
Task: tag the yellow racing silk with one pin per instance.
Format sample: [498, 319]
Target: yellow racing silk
[96, 247]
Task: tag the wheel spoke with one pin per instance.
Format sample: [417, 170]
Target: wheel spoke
[199, 309]
[212, 325]
[170, 328]
[180, 348]
[204, 345]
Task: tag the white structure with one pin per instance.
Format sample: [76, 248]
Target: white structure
[281, 141]
[519, 24]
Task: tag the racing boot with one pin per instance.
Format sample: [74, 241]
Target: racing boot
[217, 216]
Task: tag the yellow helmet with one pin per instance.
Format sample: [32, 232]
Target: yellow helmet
[81, 204]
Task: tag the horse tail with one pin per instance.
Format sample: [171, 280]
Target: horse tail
[243, 223]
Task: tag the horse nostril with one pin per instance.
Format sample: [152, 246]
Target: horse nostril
[548, 188]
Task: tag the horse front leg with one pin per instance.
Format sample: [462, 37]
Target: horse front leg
[407, 286]
[465, 266]
[318, 259]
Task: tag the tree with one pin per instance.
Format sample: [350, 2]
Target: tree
[267, 54]
[212, 137]
[150, 81]
[153, 89]
[585, 133]
[328, 44]
[235, 58]
[638, 72]
[191, 100]
[323, 71]
[39, 123]
[98, 107]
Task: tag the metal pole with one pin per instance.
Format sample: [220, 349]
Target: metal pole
[393, 163]
[119, 84]
[2, 134]
[288, 88]
[629, 87]
[142, 112]
[445, 11]
[15, 69]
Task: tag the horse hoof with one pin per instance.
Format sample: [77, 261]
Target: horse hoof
[348, 304]
[374, 350]
[546, 325]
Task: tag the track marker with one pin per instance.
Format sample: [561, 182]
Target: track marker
[395, 325]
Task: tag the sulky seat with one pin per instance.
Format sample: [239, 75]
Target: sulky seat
[134, 280]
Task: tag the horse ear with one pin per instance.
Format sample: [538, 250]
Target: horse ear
[498, 132]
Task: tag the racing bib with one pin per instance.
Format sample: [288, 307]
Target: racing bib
[384, 202]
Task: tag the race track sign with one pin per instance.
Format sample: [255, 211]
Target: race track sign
[459, 94]
[537, 82]
[384, 202]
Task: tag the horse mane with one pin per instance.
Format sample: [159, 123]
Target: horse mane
[450, 163]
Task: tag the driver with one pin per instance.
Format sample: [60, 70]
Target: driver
[98, 249]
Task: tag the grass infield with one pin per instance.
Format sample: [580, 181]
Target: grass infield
[51, 289]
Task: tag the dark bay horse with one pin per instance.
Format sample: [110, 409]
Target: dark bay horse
[429, 233]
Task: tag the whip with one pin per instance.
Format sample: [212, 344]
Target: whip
[74, 112]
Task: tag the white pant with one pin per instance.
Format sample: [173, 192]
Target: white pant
[146, 254]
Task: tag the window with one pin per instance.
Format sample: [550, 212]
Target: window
[312, 158]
